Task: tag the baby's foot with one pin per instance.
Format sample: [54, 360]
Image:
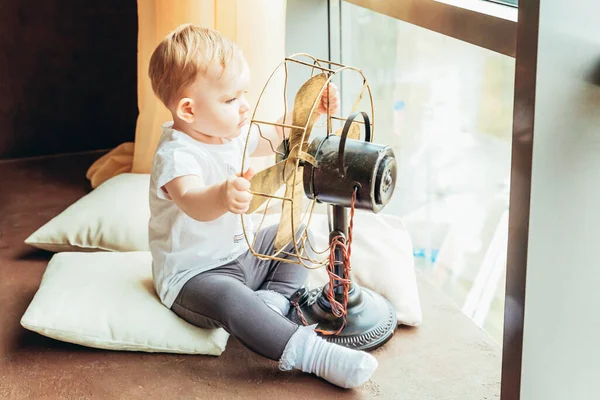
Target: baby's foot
[337, 364]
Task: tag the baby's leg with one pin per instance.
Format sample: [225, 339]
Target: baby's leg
[275, 281]
[213, 299]
[282, 281]
[218, 299]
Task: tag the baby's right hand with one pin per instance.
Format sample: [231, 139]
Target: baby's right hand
[237, 197]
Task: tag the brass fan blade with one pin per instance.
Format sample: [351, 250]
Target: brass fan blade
[305, 98]
[285, 234]
[268, 181]
[354, 132]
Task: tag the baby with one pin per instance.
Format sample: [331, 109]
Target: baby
[202, 267]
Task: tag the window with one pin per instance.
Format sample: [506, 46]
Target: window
[486, 24]
[445, 107]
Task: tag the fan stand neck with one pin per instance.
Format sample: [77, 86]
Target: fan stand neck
[339, 228]
[370, 319]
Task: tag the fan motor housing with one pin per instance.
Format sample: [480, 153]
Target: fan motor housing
[338, 170]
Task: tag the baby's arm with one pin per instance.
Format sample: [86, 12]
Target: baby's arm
[275, 134]
[206, 203]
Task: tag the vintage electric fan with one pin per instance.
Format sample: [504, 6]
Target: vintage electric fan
[344, 172]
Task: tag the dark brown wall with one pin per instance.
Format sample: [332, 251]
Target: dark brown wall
[67, 75]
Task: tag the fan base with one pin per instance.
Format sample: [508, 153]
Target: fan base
[370, 321]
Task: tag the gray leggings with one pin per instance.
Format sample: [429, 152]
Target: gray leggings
[225, 297]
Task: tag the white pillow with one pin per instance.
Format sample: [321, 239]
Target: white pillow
[114, 216]
[107, 300]
[381, 260]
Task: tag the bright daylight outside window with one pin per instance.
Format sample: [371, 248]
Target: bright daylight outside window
[445, 107]
[507, 2]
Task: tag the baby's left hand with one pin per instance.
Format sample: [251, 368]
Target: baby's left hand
[330, 97]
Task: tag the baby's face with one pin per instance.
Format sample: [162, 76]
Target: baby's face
[220, 108]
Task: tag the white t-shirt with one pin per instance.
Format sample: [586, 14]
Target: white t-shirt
[181, 246]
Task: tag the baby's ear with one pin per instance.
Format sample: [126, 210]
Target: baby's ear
[185, 110]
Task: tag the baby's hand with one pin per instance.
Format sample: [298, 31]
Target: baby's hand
[237, 197]
[331, 99]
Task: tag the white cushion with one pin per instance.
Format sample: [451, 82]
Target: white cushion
[115, 217]
[381, 260]
[112, 217]
[107, 300]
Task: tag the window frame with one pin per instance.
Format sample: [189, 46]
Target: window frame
[483, 29]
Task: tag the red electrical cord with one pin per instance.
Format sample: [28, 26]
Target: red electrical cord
[338, 309]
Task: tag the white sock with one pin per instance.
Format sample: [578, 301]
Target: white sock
[275, 300]
[337, 364]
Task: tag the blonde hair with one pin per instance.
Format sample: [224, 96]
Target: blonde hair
[183, 55]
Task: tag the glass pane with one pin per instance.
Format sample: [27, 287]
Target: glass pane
[445, 107]
[507, 2]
